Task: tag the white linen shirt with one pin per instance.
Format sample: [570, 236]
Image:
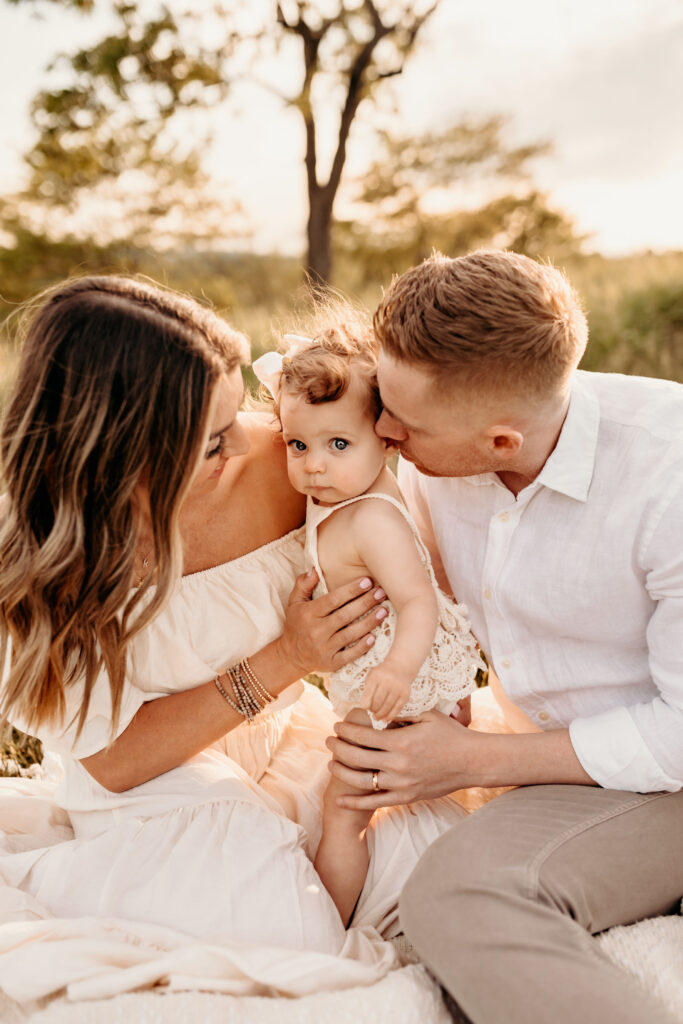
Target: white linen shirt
[575, 587]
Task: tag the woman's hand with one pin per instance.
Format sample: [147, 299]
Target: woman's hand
[324, 634]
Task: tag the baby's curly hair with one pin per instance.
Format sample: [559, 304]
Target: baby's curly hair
[343, 348]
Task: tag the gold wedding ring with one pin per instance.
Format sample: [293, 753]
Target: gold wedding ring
[375, 781]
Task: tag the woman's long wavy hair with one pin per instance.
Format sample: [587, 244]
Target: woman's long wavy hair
[114, 389]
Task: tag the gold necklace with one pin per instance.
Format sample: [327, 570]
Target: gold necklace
[141, 576]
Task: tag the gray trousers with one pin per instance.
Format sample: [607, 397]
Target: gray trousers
[501, 907]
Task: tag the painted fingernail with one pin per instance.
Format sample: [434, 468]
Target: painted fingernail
[381, 613]
[379, 595]
[369, 640]
[365, 584]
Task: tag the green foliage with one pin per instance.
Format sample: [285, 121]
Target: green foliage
[253, 291]
[33, 262]
[117, 136]
[652, 324]
[413, 199]
[635, 313]
[106, 166]
[18, 752]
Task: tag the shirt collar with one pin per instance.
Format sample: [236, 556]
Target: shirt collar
[569, 467]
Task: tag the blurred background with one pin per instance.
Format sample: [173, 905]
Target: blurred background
[230, 149]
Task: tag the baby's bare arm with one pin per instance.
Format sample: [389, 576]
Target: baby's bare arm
[387, 548]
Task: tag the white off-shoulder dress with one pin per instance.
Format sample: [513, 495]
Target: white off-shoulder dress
[219, 849]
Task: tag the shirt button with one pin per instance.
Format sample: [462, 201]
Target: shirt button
[504, 516]
[543, 716]
[487, 593]
[506, 663]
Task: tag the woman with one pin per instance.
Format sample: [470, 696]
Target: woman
[149, 545]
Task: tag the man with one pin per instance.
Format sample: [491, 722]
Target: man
[554, 500]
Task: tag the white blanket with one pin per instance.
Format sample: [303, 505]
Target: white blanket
[171, 981]
[652, 951]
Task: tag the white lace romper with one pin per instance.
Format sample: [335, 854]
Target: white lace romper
[447, 673]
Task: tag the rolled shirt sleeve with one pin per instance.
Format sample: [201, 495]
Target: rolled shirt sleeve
[611, 748]
[640, 747]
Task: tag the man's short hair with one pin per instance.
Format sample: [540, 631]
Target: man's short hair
[491, 319]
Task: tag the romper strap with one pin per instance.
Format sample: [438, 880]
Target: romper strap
[317, 514]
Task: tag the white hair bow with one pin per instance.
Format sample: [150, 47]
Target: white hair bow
[268, 367]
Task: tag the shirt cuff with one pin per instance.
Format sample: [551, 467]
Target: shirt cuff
[614, 754]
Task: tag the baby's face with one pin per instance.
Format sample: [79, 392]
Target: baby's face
[333, 452]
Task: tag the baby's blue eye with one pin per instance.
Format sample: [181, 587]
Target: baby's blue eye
[297, 446]
[339, 444]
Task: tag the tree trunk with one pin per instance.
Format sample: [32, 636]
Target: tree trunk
[319, 231]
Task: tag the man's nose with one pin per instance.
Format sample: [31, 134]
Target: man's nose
[387, 426]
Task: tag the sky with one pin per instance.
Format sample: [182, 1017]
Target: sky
[601, 79]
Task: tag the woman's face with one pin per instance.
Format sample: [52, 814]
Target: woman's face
[226, 436]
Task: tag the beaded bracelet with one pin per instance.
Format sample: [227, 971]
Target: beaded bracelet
[249, 692]
[245, 669]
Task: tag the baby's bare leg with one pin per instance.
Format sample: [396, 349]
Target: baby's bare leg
[342, 858]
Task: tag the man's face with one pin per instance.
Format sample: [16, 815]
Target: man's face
[443, 434]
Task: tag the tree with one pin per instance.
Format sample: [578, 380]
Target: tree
[83, 5]
[120, 112]
[104, 167]
[367, 43]
[417, 195]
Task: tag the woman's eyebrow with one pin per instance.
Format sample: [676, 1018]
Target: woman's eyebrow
[217, 433]
[222, 430]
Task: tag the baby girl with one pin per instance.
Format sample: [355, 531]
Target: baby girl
[424, 655]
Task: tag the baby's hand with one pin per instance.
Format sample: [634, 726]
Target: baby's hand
[386, 691]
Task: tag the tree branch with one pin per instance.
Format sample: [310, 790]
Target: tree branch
[354, 95]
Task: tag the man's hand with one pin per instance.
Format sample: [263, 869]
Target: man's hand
[385, 692]
[426, 758]
[434, 755]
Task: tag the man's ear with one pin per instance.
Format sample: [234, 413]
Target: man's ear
[390, 447]
[504, 441]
